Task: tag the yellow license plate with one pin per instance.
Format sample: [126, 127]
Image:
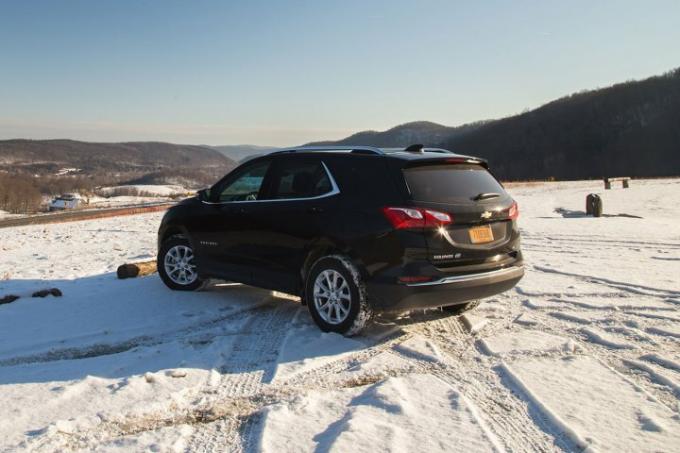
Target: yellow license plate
[481, 234]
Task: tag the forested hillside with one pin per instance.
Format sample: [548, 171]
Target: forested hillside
[630, 129]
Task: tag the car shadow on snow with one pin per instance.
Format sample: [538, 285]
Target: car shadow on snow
[110, 328]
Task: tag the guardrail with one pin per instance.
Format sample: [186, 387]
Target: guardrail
[89, 214]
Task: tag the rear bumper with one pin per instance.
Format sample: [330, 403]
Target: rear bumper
[449, 290]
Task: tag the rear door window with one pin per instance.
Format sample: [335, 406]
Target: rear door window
[300, 178]
[450, 183]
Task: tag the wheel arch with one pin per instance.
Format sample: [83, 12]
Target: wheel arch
[172, 231]
[320, 249]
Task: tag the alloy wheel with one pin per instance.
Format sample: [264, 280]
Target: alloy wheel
[332, 296]
[179, 265]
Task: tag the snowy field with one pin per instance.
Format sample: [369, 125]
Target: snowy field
[165, 190]
[584, 354]
[7, 215]
[135, 194]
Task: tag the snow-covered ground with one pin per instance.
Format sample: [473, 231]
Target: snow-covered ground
[583, 354]
[7, 215]
[122, 200]
[164, 190]
[136, 194]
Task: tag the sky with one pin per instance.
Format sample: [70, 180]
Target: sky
[284, 73]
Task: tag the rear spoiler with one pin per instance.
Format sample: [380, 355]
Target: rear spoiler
[456, 159]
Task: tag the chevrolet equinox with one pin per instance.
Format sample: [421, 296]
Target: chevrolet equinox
[354, 231]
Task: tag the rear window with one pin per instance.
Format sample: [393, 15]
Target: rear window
[450, 183]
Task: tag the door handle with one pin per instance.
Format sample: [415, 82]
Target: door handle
[315, 210]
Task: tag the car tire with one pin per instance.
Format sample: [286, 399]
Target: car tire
[336, 296]
[459, 309]
[176, 265]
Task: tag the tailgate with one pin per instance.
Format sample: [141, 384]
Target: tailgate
[482, 229]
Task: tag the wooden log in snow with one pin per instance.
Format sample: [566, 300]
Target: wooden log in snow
[8, 299]
[132, 270]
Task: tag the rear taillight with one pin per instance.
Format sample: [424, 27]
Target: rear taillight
[402, 218]
[513, 212]
[407, 218]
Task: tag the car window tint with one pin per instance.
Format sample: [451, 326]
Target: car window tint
[450, 183]
[365, 180]
[246, 186]
[301, 179]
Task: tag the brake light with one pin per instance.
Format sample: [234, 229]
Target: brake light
[513, 212]
[408, 218]
[402, 218]
[456, 160]
[462, 160]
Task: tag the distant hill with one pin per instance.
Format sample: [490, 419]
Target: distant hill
[148, 162]
[630, 129]
[239, 153]
[108, 156]
[424, 132]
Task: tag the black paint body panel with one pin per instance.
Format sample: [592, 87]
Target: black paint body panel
[272, 243]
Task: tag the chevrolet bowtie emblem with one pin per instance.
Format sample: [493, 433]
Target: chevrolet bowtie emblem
[486, 214]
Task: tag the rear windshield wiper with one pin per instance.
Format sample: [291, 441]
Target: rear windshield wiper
[485, 196]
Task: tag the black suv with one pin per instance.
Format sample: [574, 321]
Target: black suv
[352, 230]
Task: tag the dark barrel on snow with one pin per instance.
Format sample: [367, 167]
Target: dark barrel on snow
[594, 205]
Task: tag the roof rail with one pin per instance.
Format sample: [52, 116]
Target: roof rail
[351, 149]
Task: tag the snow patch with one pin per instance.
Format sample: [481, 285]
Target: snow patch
[419, 348]
[523, 341]
[526, 319]
[600, 337]
[576, 394]
[670, 331]
[474, 323]
[671, 364]
[656, 375]
[149, 189]
[387, 416]
[306, 347]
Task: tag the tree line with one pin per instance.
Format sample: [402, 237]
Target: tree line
[25, 194]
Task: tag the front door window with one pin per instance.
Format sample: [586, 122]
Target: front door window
[247, 186]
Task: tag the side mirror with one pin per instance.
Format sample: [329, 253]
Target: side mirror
[204, 194]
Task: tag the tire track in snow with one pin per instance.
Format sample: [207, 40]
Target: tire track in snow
[246, 373]
[616, 340]
[505, 415]
[623, 286]
[221, 405]
[225, 413]
[597, 240]
[102, 349]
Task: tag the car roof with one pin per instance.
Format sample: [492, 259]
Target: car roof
[422, 153]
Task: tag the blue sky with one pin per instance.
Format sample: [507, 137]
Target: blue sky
[283, 73]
